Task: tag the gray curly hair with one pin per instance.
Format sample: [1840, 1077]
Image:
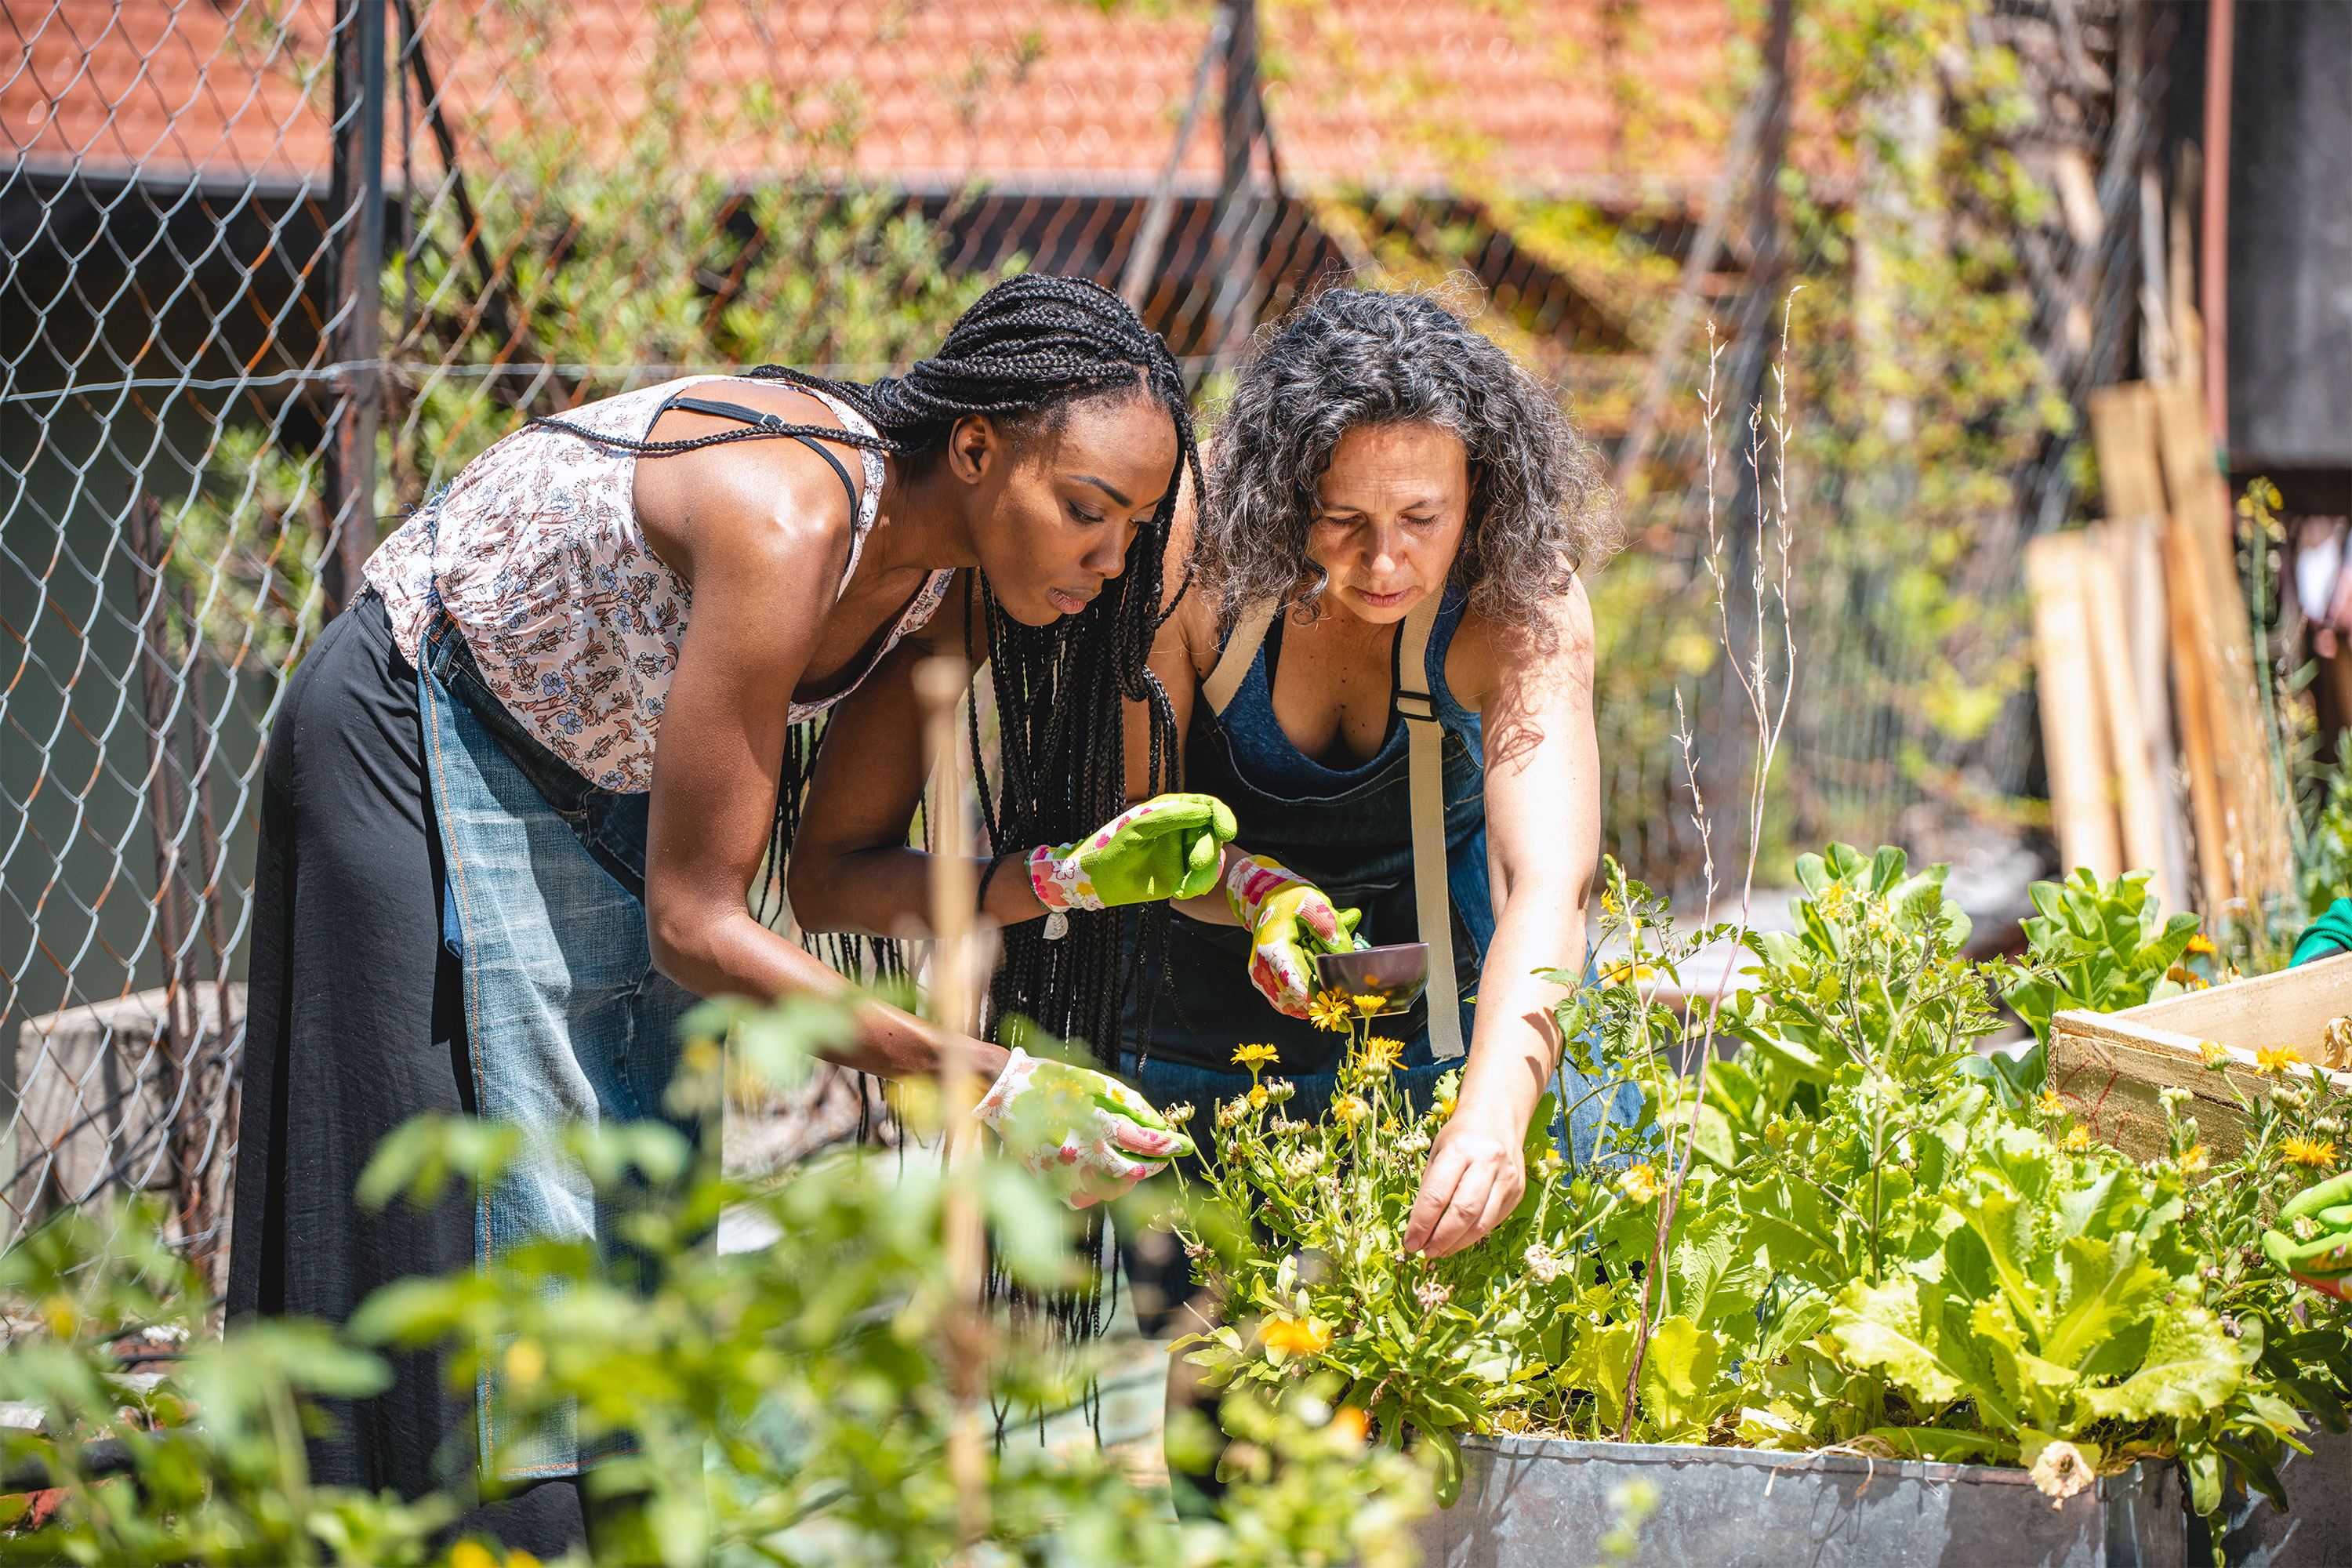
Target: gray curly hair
[1540, 505]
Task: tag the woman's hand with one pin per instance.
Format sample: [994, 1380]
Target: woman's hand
[1477, 1177]
[1169, 846]
[1290, 921]
[2316, 1248]
[1085, 1134]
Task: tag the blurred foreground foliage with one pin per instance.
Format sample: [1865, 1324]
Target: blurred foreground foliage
[788, 1404]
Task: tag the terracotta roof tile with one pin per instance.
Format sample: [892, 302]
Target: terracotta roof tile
[1052, 93]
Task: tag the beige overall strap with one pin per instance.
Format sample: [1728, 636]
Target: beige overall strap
[1233, 666]
[1433, 899]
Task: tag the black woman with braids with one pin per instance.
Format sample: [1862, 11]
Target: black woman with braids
[518, 795]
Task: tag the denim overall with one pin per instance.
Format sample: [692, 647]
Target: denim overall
[1350, 832]
[566, 1019]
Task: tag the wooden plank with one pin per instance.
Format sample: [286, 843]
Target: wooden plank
[2257, 843]
[2123, 433]
[2119, 704]
[2136, 547]
[2193, 695]
[2074, 735]
[2111, 1068]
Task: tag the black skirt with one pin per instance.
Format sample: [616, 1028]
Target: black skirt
[357, 1025]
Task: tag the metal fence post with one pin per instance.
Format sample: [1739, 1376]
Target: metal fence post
[356, 323]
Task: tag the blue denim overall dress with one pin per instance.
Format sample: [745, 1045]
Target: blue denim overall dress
[1350, 832]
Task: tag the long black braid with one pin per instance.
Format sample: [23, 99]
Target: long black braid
[1026, 350]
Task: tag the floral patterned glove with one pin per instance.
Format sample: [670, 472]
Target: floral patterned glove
[1086, 1134]
[1290, 921]
[1170, 847]
[2315, 1243]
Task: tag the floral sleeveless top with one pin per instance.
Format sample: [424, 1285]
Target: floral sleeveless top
[534, 551]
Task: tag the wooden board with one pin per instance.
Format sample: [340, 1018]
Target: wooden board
[2138, 550]
[2110, 644]
[2254, 841]
[2193, 694]
[2123, 433]
[2073, 732]
[2111, 1068]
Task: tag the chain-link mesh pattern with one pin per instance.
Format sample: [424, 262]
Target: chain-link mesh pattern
[276, 269]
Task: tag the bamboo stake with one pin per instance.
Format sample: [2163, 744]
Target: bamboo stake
[940, 687]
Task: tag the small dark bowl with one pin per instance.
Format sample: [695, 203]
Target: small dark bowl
[1395, 974]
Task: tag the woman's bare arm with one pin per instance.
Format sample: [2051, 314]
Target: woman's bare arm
[851, 868]
[764, 545]
[1543, 840]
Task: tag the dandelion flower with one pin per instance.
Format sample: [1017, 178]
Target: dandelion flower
[1620, 972]
[1348, 1109]
[1297, 1336]
[1350, 1423]
[2277, 1059]
[2062, 1470]
[1381, 1054]
[1257, 1097]
[2213, 1053]
[2078, 1139]
[1640, 1183]
[2192, 1159]
[2315, 1153]
[1332, 1010]
[1255, 1057]
[1445, 1108]
[2049, 1104]
[1369, 1002]
[2201, 942]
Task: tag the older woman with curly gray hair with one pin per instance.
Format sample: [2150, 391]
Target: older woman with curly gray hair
[1396, 514]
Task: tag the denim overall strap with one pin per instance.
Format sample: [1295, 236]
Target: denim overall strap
[567, 1022]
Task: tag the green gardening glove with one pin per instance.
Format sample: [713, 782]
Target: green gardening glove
[1085, 1134]
[2315, 1243]
[1170, 847]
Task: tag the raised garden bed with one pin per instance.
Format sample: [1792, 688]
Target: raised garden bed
[1541, 1502]
[2317, 1533]
[2110, 1067]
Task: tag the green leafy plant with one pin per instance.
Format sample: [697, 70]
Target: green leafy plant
[1872, 1247]
[790, 1403]
[2098, 946]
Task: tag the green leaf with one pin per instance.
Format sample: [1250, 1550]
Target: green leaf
[1883, 1326]
[2193, 1367]
[1681, 1389]
[1944, 1446]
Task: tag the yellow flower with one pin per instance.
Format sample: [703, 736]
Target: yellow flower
[1348, 1109]
[1445, 1108]
[471, 1555]
[2049, 1104]
[1369, 1002]
[1618, 974]
[2201, 942]
[1255, 1056]
[525, 1363]
[2079, 1138]
[1297, 1336]
[2213, 1053]
[2318, 1153]
[1332, 1010]
[1640, 1183]
[2178, 974]
[2277, 1059]
[2192, 1159]
[1349, 1422]
[1257, 1097]
[1381, 1054]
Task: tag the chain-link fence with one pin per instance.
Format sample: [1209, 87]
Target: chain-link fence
[276, 269]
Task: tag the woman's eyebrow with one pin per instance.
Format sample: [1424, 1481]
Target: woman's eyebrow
[1106, 488]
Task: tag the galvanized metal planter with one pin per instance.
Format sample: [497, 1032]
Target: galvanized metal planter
[1540, 1502]
[2315, 1532]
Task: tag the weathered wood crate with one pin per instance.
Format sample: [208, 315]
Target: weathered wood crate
[2109, 1068]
